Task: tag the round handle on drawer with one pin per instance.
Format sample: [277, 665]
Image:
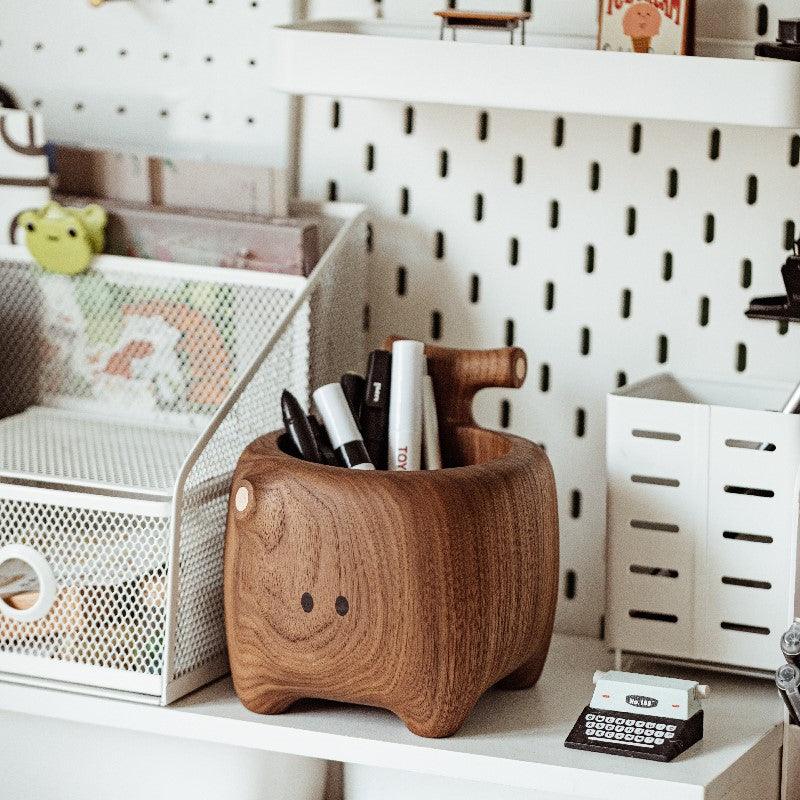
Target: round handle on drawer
[33, 563]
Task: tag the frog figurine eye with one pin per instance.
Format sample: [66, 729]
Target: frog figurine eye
[64, 240]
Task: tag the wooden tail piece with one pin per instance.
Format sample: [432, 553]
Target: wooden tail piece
[459, 374]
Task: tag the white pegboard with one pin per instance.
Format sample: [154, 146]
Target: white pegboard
[666, 266]
[186, 76]
[639, 310]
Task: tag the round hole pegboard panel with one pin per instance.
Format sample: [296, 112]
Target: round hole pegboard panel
[181, 77]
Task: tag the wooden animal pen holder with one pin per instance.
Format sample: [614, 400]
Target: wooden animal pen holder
[410, 591]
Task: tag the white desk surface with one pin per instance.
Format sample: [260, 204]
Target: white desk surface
[512, 738]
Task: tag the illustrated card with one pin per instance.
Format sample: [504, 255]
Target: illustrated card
[647, 26]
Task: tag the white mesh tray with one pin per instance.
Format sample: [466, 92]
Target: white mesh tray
[71, 449]
[126, 397]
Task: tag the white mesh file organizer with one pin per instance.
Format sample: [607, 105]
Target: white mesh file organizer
[127, 395]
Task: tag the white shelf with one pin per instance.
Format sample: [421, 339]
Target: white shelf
[512, 738]
[382, 60]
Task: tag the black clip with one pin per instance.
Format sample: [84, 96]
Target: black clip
[781, 307]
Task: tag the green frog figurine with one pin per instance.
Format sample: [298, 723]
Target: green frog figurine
[62, 239]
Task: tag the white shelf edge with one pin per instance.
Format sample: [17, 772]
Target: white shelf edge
[512, 738]
[381, 60]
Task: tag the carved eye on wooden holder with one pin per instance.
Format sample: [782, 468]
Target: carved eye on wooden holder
[361, 586]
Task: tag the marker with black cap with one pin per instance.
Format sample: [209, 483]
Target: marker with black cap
[323, 442]
[353, 388]
[342, 429]
[296, 424]
[374, 418]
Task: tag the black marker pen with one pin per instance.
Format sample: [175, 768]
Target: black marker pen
[299, 430]
[323, 442]
[345, 436]
[353, 388]
[374, 419]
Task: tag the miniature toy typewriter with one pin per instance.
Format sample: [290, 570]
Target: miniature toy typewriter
[642, 716]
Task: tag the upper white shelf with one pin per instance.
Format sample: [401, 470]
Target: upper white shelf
[511, 739]
[382, 60]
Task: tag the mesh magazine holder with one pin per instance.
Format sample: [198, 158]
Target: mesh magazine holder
[128, 394]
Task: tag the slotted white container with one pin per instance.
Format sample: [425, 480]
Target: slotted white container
[702, 520]
[128, 394]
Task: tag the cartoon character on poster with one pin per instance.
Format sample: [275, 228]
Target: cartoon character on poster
[646, 26]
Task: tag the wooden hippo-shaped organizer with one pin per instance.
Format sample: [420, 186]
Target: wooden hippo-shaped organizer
[411, 591]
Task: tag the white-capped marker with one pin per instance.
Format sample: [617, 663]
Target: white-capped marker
[342, 429]
[430, 426]
[405, 405]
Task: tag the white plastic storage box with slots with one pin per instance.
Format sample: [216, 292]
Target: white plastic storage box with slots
[128, 394]
[702, 520]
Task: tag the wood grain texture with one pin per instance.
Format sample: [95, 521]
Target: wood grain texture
[412, 591]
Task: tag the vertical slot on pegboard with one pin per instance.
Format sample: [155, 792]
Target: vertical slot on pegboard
[666, 266]
[586, 341]
[594, 176]
[741, 357]
[789, 235]
[408, 124]
[575, 504]
[513, 251]
[751, 194]
[549, 296]
[436, 325]
[505, 414]
[438, 246]
[589, 259]
[709, 229]
[519, 169]
[570, 584]
[704, 311]
[559, 128]
[663, 349]
[443, 163]
[762, 19]
[625, 304]
[405, 201]
[746, 273]
[509, 333]
[636, 138]
[630, 221]
[477, 211]
[672, 183]
[555, 211]
[714, 144]
[794, 150]
[483, 126]
[580, 422]
[474, 288]
[544, 378]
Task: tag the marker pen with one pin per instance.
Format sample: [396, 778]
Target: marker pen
[405, 405]
[430, 426]
[374, 419]
[323, 443]
[297, 427]
[342, 429]
[353, 388]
